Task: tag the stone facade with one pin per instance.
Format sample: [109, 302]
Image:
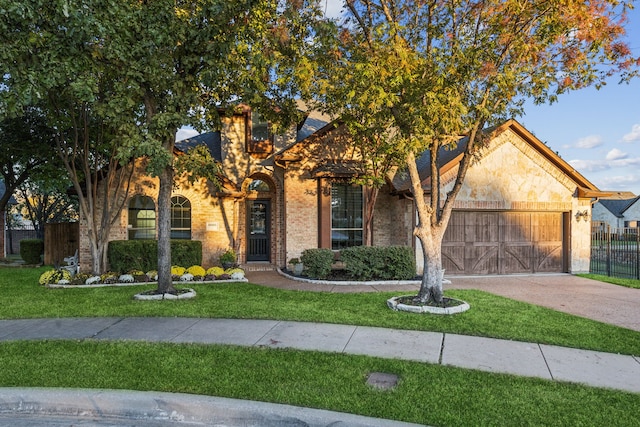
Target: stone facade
[515, 173]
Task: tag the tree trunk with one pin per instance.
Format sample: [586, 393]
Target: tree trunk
[430, 233]
[165, 284]
[431, 285]
[371, 195]
[98, 249]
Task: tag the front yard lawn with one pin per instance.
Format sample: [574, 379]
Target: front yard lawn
[427, 394]
[490, 315]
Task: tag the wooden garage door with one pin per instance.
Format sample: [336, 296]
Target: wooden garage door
[503, 243]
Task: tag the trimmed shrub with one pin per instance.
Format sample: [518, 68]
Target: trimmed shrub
[317, 262]
[31, 250]
[379, 262]
[125, 255]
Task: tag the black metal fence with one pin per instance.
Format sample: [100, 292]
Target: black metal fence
[615, 252]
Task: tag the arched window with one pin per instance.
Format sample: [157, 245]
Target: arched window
[180, 218]
[142, 218]
[259, 185]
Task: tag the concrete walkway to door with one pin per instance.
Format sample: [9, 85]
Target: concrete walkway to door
[571, 294]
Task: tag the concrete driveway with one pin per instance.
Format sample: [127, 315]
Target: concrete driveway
[571, 294]
[595, 300]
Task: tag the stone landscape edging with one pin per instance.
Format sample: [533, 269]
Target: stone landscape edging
[355, 282]
[393, 304]
[104, 285]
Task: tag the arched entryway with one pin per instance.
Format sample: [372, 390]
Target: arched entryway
[259, 216]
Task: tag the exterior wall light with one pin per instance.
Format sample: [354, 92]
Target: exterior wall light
[584, 215]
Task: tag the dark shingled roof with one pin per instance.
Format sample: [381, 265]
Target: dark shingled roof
[402, 182]
[618, 207]
[212, 140]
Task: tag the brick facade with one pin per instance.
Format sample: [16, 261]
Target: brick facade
[511, 175]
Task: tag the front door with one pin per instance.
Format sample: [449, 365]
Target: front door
[258, 230]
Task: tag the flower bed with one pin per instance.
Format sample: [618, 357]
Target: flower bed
[194, 274]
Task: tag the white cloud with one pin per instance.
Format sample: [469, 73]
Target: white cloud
[589, 165]
[616, 154]
[632, 136]
[332, 8]
[186, 132]
[619, 182]
[591, 141]
[605, 164]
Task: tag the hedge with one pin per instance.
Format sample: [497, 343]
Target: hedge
[127, 255]
[379, 262]
[31, 250]
[317, 262]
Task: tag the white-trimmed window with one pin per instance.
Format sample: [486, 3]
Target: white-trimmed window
[180, 218]
[346, 215]
[142, 218]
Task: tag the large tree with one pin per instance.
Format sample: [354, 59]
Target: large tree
[26, 150]
[428, 73]
[149, 67]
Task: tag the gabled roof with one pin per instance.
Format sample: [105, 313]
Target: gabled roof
[618, 206]
[450, 158]
[212, 140]
[619, 195]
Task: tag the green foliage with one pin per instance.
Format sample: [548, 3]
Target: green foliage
[28, 151]
[317, 262]
[379, 263]
[228, 257]
[142, 255]
[198, 163]
[141, 70]
[31, 250]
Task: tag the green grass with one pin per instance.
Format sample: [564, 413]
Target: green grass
[490, 315]
[629, 283]
[426, 394]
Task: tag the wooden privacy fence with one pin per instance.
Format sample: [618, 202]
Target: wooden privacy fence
[615, 252]
[60, 240]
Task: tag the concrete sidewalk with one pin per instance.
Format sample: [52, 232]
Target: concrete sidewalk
[60, 407]
[549, 362]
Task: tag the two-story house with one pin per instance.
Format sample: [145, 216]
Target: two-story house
[285, 193]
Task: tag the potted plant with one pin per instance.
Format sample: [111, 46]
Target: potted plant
[228, 259]
[297, 265]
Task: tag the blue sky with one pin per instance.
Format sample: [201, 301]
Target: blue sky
[596, 131]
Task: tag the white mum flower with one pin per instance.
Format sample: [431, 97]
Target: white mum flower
[186, 277]
[126, 278]
[237, 275]
[92, 280]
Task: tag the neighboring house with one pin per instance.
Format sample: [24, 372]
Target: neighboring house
[617, 212]
[282, 194]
